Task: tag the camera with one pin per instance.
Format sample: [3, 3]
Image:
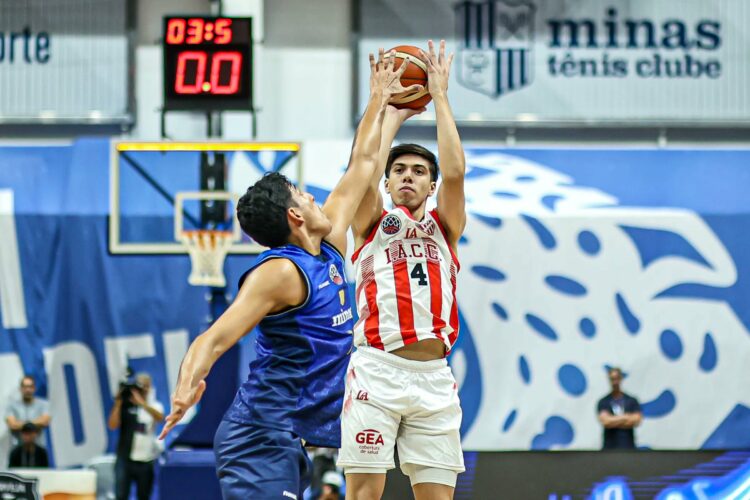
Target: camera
[128, 385]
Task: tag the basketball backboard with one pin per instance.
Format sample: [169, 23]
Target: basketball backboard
[150, 182]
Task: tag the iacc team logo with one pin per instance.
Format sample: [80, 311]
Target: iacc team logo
[334, 275]
[495, 40]
[391, 224]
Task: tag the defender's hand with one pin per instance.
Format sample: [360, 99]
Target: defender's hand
[182, 400]
[438, 69]
[386, 80]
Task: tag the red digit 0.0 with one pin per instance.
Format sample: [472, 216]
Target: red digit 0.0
[182, 72]
[175, 31]
[234, 59]
[223, 31]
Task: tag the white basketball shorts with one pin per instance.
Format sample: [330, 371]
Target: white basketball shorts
[391, 401]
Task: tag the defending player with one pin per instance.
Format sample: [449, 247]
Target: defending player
[296, 293]
[400, 390]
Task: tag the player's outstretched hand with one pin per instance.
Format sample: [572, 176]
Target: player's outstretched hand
[438, 68]
[182, 400]
[386, 79]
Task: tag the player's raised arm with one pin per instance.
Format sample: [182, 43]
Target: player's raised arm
[371, 207]
[450, 198]
[274, 286]
[343, 201]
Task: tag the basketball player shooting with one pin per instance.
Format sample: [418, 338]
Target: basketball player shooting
[399, 389]
[296, 294]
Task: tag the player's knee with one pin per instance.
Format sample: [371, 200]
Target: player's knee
[365, 484]
[432, 491]
[430, 482]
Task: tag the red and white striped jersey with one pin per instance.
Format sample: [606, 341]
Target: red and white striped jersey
[406, 283]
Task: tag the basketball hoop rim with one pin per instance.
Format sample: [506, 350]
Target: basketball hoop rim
[183, 196]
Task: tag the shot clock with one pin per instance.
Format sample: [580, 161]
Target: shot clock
[207, 63]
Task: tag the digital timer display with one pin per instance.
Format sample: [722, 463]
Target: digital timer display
[207, 63]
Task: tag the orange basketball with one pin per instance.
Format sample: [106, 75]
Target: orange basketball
[416, 73]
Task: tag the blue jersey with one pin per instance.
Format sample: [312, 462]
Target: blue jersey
[296, 381]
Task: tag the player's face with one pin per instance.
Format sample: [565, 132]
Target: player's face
[409, 181]
[315, 220]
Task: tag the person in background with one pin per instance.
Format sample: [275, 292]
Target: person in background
[323, 461]
[619, 414]
[332, 483]
[136, 414]
[28, 453]
[28, 409]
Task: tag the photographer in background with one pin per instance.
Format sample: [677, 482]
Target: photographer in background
[136, 415]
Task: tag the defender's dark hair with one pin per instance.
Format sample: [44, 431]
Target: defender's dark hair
[413, 149]
[262, 210]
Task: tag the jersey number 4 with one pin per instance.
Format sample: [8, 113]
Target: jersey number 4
[418, 274]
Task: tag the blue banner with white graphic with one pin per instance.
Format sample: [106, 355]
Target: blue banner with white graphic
[84, 315]
[572, 261]
[578, 260]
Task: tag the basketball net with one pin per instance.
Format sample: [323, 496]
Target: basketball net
[207, 248]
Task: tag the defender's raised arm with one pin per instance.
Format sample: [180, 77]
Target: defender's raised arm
[342, 204]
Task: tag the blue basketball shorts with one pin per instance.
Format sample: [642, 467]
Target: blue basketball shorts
[260, 463]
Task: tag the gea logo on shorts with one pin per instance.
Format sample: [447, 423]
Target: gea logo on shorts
[370, 436]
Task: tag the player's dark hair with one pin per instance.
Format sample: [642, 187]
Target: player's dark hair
[262, 210]
[413, 149]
